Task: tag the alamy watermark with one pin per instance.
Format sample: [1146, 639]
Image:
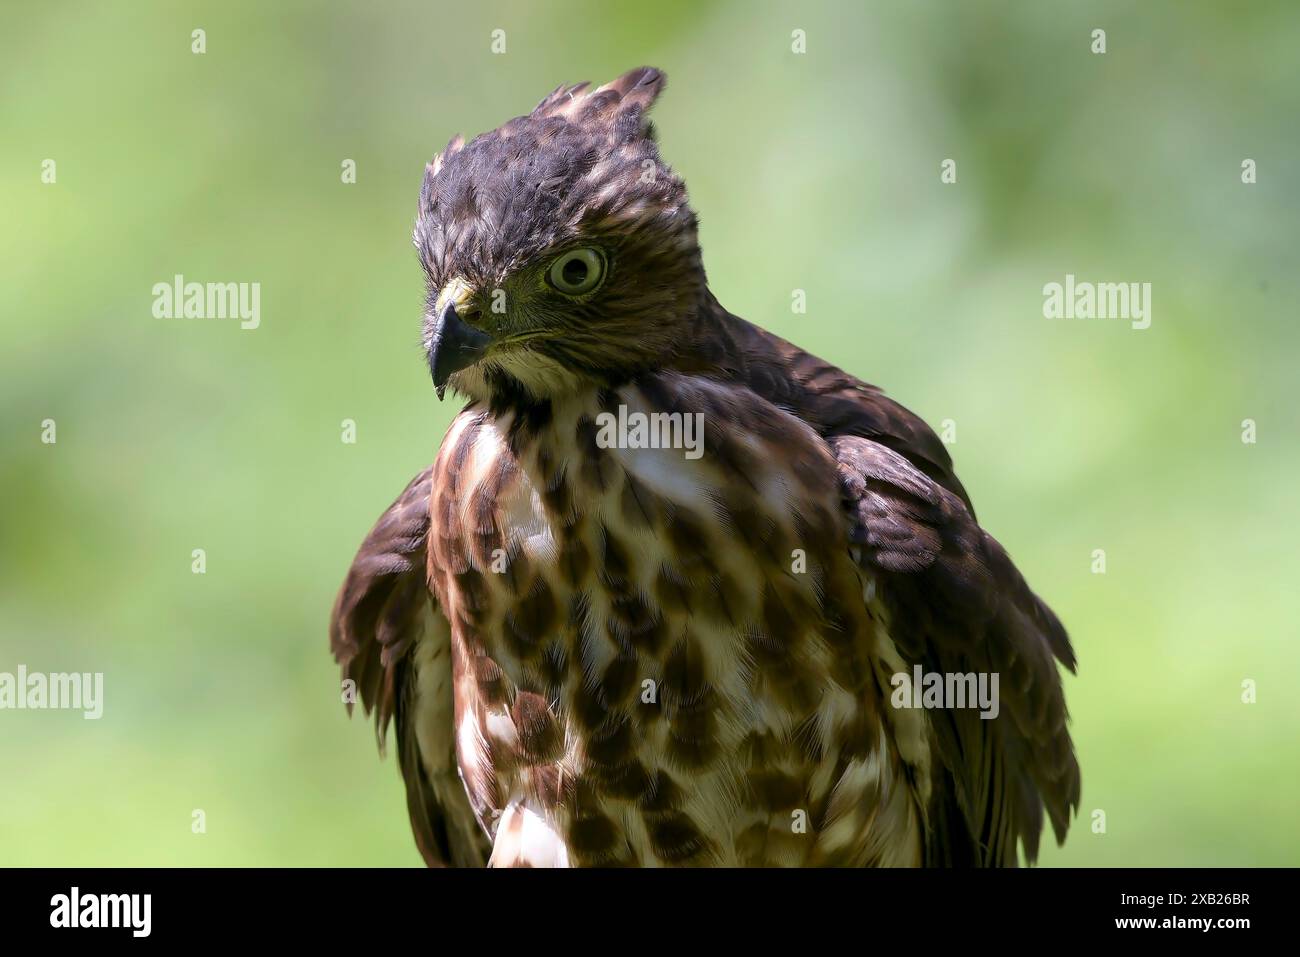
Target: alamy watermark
[651, 430]
[179, 299]
[1098, 300]
[60, 691]
[75, 909]
[937, 690]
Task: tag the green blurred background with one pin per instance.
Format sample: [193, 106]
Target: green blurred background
[818, 172]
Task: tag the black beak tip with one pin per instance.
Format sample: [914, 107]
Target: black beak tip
[455, 345]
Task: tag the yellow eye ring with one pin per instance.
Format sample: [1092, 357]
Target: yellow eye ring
[577, 271]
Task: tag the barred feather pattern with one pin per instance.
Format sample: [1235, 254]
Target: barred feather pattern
[601, 655]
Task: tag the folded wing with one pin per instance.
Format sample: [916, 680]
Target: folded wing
[393, 642]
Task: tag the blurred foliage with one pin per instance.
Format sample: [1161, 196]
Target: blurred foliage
[817, 172]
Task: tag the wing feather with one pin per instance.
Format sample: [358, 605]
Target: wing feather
[958, 604]
[389, 636]
[956, 601]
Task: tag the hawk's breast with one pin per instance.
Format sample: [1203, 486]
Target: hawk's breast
[663, 653]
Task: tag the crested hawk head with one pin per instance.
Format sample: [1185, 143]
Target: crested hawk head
[559, 249]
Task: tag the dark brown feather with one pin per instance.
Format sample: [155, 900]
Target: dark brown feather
[957, 602]
[379, 614]
[867, 477]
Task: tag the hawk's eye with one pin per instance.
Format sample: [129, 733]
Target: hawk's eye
[577, 272]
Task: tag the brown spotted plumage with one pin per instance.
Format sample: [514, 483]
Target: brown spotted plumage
[602, 653]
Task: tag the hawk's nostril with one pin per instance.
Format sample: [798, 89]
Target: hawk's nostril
[465, 311]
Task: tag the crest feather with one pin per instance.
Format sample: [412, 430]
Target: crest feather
[615, 103]
[456, 144]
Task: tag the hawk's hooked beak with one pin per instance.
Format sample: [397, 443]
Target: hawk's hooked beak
[455, 344]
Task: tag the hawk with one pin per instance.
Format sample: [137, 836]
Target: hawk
[600, 649]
